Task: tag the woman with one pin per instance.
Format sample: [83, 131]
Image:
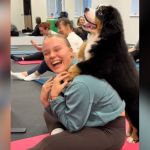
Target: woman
[36, 31]
[79, 30]
[86, 113]
[135, 52]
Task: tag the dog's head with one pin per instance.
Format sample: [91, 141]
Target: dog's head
[90, 24]
[106, 21]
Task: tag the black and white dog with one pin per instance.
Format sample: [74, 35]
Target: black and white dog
[105, 56]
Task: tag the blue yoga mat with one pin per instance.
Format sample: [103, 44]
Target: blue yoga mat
[42, 80]
[13, 47]
[20, 52]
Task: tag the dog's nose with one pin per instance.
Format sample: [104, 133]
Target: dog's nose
[86, 9]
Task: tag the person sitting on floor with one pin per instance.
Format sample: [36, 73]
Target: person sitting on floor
[14, 30]
[135, 52]
[86, 113]
[44, 30]
[79, 30]
[36, 31]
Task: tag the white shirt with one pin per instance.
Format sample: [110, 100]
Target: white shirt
[52, 32]
[75, 41]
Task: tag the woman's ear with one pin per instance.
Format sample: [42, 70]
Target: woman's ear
[71, 49]
[72, 53]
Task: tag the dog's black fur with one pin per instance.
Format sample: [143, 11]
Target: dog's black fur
[110, 60]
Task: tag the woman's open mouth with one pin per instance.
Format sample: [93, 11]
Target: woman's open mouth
[56, 63]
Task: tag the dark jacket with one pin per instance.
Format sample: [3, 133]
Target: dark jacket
[81, 32]
[36, 31]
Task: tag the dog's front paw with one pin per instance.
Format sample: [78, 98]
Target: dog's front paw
[74, 71]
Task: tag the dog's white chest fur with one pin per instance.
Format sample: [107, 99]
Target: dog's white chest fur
[92, 39]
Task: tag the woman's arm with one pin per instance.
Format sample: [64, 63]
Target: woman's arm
[74, 108]
[38, 47]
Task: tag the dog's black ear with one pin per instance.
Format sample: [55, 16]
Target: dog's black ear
[111, 20]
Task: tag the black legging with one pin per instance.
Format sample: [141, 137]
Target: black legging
[35, 56]
[42, 68]
[108, 137]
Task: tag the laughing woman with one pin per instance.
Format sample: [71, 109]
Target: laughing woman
[86, 113]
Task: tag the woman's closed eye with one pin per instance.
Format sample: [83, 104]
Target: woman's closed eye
[56, 49]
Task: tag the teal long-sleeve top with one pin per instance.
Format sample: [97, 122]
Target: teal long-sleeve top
[87, 101]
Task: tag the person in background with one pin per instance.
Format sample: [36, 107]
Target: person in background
[36, 31]
[135, 52]
[65, 27]
[79, 30]
[52, 16]
[86, 113]
[14, 30]
[44, 30]
[63, 14]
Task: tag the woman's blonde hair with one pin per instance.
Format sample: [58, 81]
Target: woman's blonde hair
[58, 36]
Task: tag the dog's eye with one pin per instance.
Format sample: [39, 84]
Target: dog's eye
[100, 10]
[100, 13]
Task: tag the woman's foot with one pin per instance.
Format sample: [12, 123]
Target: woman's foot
[18, 75]
[15, 58]
[33, 76]
[56, 131]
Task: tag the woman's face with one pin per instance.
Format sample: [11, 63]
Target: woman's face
[43, 31]
[81, 21]
[63, 29]
[57, 54]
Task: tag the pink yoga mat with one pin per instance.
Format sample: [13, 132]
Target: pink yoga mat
[29, 62]
[24, 144]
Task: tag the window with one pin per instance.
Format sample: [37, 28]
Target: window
[86, 4]
[80, 5]
[135, 8]
[55, 7]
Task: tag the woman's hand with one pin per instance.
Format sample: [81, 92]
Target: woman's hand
[45, 92]
[38, 47]
[34, 43]
[59, 83]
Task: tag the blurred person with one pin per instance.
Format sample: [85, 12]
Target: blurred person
[36, 31]
[4, 75]
[44, 30]
[63, 14]
[79, 30]
[14, 30]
